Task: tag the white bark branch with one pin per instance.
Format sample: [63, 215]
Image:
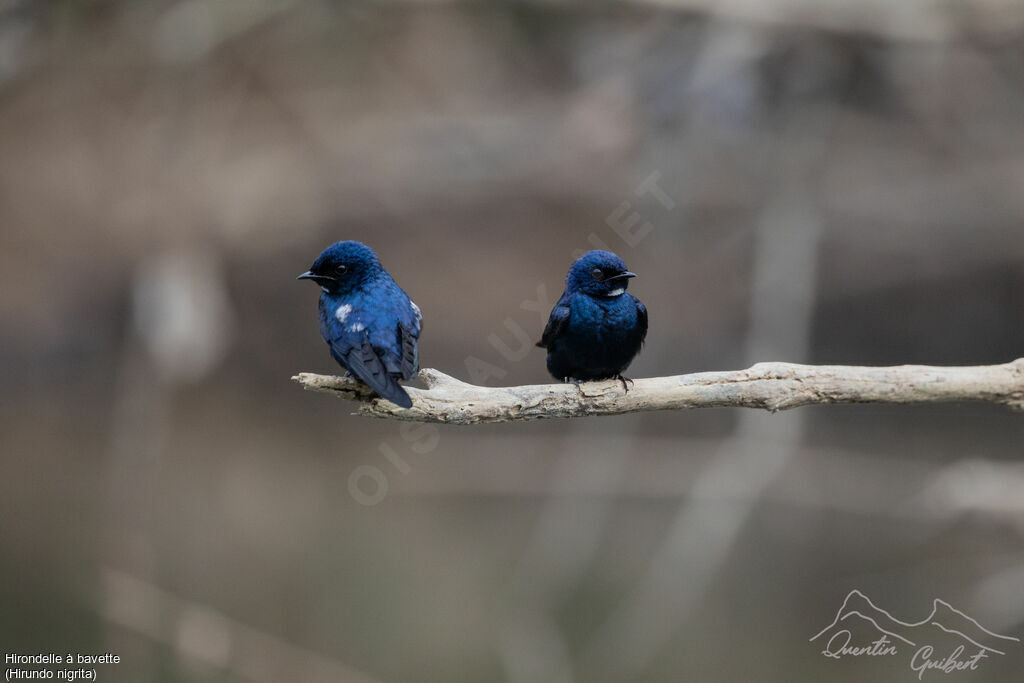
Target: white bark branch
[771, 386]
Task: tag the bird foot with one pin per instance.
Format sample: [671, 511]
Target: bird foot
[627, 383]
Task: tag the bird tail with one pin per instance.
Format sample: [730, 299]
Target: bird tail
[394, 392]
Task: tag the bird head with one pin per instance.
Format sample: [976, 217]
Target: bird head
[344, 266]
[599, 273]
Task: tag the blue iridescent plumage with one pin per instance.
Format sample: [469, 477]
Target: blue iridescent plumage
[597, 327]
[370, 324]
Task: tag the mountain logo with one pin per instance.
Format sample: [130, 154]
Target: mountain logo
[946, 641]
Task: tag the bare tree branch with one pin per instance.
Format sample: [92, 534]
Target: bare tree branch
[771, 386]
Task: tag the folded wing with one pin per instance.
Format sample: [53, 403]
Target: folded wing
[557, 323]
[367, 362]
[641, 320]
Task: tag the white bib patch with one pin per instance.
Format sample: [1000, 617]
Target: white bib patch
[342, 313]
[617, 292]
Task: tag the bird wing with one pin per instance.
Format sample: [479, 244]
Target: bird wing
[405, 360]
[365, 361]
[410, 363]
[641, 320]
[557, 322]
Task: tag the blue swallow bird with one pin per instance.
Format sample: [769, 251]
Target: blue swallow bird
[596, 328]
[368, 321]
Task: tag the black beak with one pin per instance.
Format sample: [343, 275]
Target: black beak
[623, 276]
[321, 280]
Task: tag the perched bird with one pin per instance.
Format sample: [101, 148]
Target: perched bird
[596, 328]
[368, 321]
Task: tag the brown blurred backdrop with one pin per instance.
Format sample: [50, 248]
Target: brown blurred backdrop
[836, 183]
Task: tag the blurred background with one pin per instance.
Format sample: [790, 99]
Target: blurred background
[795, 180]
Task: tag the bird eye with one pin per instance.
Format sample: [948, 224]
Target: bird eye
[341, 270]
[597, 273]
